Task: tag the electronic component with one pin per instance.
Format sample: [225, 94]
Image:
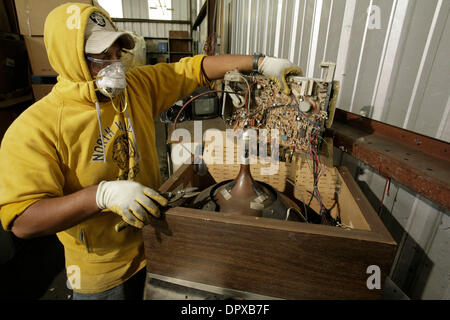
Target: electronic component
[300, 117]
[205, 107]
[202, 104]
[256, 102]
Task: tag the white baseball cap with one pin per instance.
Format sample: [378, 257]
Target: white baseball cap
[100, 35]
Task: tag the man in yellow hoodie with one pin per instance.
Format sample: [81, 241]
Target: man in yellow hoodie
[83, 158]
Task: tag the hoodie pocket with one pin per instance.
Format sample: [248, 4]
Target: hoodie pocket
[100, 242]
[83, 239]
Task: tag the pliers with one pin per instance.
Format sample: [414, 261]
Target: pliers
[172, 197]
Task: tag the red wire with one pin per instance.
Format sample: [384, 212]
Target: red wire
[389, 187]
[192, 99]
[388, 182]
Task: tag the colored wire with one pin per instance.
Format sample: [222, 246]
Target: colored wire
[196, 97]
[289, 211]
[247, 107]
[248, 88]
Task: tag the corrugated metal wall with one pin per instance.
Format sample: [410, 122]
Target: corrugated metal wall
[139, 9]
[157, 30]
[391, 55]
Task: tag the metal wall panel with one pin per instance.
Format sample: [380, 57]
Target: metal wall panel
[158, 30]
[139, 9]
[336, 17]
[351, 62]
[431, 100]
[369, 59]
[414, 44]
[391, 55]
[180, 9]
[135, 9]
[386, 51]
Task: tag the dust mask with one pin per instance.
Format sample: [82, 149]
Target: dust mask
[111, 80]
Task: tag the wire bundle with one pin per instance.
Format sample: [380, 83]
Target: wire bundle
[318, 170]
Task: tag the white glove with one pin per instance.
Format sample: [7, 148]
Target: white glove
[277, 69]
[131, 200]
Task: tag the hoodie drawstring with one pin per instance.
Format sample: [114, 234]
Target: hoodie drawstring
[99, 118]
[138, 155]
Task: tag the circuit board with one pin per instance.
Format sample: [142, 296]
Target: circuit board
[300, 117]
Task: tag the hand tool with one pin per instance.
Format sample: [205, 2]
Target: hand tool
[172, 196]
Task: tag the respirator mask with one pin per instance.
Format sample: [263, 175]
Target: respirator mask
[111, 79]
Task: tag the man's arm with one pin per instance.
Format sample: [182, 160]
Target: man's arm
[129, 199]
[215, 67]
[49, 216]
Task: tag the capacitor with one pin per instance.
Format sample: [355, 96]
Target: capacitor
[302, 133]
[305, 106]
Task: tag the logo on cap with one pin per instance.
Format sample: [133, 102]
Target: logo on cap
[98, 19]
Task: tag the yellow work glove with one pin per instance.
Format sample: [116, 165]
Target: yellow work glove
[131, 200]
[277, 70]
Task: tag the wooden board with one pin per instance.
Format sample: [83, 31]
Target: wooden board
[282, 259]
[416, 161]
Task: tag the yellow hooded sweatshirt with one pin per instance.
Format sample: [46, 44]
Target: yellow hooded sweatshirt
[55, 148]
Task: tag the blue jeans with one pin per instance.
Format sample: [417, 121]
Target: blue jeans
[132, 289]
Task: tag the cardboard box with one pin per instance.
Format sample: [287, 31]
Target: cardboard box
[37, 54]
[32, 14]
[41, 90]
